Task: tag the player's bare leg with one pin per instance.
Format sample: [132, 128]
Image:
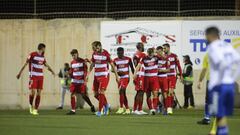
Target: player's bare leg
[87, 99]
[37, 102]
[73, 104]
[222, 128]
[31, 98]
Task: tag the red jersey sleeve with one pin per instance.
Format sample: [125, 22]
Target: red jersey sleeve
[71, 70]
[108, 57]
[141, 60]
[30, 57]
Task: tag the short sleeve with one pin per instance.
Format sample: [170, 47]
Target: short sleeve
[109, 57]
[29, 58]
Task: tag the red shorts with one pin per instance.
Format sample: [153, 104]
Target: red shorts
[139, 83]
[163, 84]
[35, 83]
[151, 83]
[78, 88]
[123, 83]
[100, 83]
[172, 81]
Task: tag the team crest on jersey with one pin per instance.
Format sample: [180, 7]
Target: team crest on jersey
[171, 59]
[161, 62]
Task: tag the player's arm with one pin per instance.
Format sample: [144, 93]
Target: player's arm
[23, 67]
[85, 68]
[90, 70]
[179, 68]
[49, 68]
[135, 62]
[114, 70]
[136, 70]
[131, 66]
[167, 68]
[203, 71]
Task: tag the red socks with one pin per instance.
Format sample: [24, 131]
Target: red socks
[122, 100]
[37, 102]
[73, 102]
[97, 97]
[135, 105]
[102, 101]
[126, 102]
[169, 101]
[140, 103]
[31, 97]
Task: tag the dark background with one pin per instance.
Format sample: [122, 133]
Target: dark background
[49, 9]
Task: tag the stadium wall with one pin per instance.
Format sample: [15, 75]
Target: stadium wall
[20, 37]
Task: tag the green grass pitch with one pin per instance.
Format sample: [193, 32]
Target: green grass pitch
[52, 122]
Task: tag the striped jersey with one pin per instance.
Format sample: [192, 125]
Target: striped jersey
[137, 58]
[122, 65]
[101, 61]
[78, 71]
[174, 63]
[36, 63]
[163, 64]
[150, 65]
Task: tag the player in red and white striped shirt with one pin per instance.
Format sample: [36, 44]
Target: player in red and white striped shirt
[100, 60]
[36, 62]
[139, 81]
[151, 84]
[163, 66]
[122, 64]
[78, 72]
[172, 74]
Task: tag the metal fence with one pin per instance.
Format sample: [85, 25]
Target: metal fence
[117, 9]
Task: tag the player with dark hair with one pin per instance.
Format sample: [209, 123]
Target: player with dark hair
[139, 81]
[78, 72]
[36, 62]
[122, 64]
[172, 75]
[151, 84]
[163, 66]
[224, 70]
[100, 60]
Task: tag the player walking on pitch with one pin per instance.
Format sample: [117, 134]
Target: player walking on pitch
[163, 66]
[100, 60]
[78, 72]
[139, 81]
[151, 84]
[122, 64]
[36, 62]
[224, 70]
[172, 75]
